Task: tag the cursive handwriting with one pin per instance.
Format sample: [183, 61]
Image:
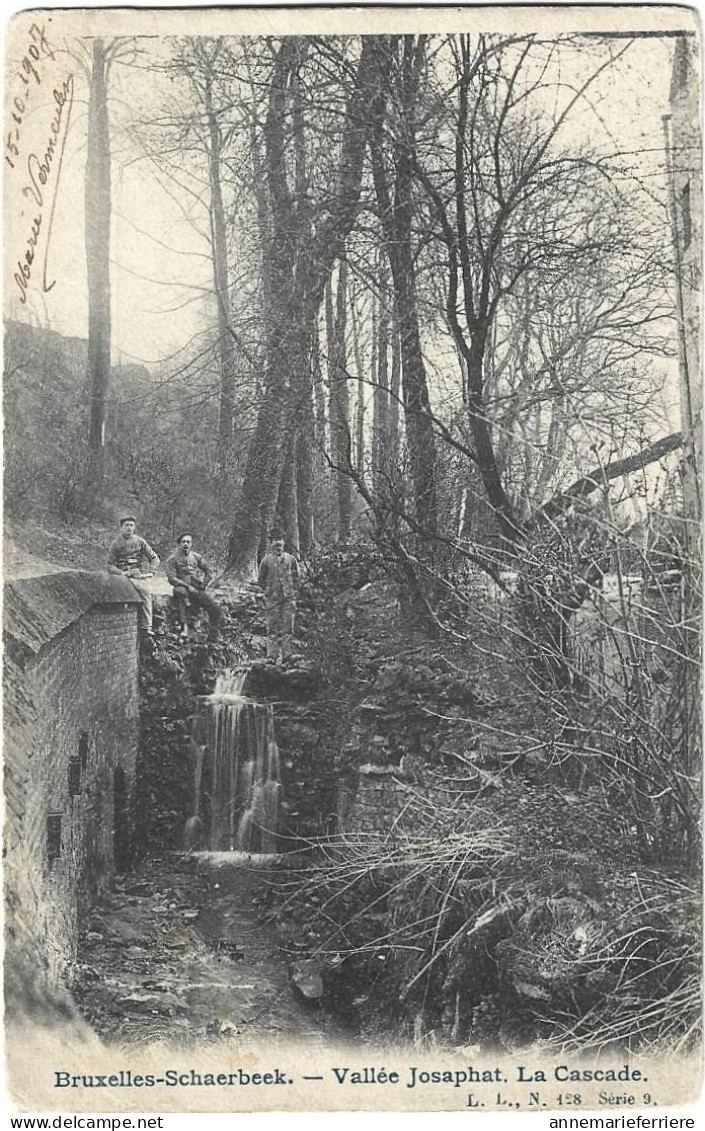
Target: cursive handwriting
[29, 74]
[44, 174]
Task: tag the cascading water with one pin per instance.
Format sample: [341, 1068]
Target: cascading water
[198, 752]
[243, 776]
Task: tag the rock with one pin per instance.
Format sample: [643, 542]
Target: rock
[271, 679]
[136, 887]
[527, 989]
[226, 948]
[370, 711]
[88, 973]
[144, 1002]
[219, 1028]
[299, 733]
[307, 980]
[178, 938]
[140, 1001]
[124, 931]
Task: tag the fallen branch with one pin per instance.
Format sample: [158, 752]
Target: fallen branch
[601, 475]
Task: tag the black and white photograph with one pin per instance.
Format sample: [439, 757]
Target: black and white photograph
[352, 560]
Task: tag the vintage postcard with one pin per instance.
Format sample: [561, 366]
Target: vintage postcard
[352, 464]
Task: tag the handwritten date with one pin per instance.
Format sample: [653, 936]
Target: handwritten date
[29, 74]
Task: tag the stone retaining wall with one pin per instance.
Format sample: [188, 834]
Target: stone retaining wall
[372, 803]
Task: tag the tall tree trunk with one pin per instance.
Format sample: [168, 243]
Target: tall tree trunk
[552, 449]
[329, 321]
[360, 429]
[419, 427]
[287, 505]
[380, 403]
[304, 478]
[394, 390]
[256, 504]
[396, 215]
[300, 263]
[97, 231]
[359, 446]
[226, 344]
[479, 320]
[319, 429]
[341, 440]
[487, 459]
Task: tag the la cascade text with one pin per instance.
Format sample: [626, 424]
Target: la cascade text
[410, 1077]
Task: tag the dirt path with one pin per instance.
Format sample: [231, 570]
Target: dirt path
[177, 953]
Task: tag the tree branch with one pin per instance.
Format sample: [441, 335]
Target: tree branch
[600, 475]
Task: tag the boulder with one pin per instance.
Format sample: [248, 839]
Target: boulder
[307, 980]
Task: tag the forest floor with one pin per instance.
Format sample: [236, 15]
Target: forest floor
[190, 961]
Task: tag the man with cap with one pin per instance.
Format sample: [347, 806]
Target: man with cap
[128, 555]
[279, 577]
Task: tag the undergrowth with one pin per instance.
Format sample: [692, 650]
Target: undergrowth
[518, 894]
[449, 929]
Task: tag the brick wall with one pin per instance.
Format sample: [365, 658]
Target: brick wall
[71, 709]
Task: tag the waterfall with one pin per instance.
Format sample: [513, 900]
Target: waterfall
[198, 753]
[236, 735]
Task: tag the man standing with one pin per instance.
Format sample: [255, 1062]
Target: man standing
[127, 555]
[279, 577]
[190, 574]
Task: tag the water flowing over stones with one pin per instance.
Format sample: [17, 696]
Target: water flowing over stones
[235, 750]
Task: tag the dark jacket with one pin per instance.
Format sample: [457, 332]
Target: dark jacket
[188, 569]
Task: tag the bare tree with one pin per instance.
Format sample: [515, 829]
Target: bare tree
[194, 144]
[515, 209]
[103, 55]
[339, 398]
[300, 255]
[400, 61]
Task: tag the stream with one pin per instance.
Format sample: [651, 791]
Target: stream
[180, 950]
[179, 953]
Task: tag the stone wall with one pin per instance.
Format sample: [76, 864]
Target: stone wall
[71, 733]
[372, 802]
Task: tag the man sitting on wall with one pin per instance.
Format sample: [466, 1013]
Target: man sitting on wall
[190, 574]
[279, 577]
[127, 555]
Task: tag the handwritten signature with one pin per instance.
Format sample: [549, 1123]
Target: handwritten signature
[38, 48]
[44, 173]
